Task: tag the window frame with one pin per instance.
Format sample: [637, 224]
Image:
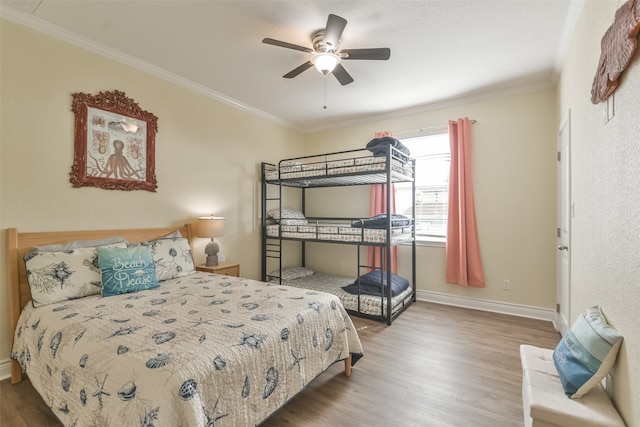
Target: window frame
[425, 239]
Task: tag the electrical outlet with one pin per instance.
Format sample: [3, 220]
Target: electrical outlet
[506, 284]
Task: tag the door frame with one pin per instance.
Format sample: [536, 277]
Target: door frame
[564, 213]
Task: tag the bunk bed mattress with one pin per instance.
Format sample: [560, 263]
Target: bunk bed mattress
[369, 304]
[295, 170]
[200, 350]
[339, 233]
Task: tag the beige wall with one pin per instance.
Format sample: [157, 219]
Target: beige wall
[605, 183]
[514, 172]
[207, 159]
[207, 153]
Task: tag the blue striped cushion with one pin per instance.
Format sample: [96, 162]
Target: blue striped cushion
[586, 353]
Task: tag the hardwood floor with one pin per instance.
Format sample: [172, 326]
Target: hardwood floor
[435, 366]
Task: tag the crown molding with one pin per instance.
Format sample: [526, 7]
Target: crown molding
[439, 105]
[30, 21]
[72, 38]
[573, 13]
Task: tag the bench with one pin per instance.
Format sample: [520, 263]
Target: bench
[545, 404]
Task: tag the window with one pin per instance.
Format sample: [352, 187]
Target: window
[433, 161]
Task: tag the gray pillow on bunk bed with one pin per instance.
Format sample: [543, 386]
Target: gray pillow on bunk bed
[370, 284]
[288, 217]
[380, 221]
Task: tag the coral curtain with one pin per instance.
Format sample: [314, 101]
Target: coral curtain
[378, 205]
[464, 264]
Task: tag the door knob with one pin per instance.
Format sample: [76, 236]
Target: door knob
[563, 248]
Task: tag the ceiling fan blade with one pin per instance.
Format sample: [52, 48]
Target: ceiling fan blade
[382, 53]
[291, 74]
[287, 45]
[333, 31]
[342, 75]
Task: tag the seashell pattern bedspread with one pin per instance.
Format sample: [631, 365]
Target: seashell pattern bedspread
[200, 350]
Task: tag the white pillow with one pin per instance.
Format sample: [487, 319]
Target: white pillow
[63, 275]
[172, 257]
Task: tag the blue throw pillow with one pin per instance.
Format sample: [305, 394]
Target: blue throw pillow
[126, 270]
[586, 353]
[370, 284]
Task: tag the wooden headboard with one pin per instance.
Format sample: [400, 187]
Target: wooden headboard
[18, 244]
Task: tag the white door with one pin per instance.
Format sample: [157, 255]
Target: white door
[564, 227]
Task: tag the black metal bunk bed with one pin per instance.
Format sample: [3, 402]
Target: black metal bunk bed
[338, 169]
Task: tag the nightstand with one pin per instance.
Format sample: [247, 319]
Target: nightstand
[226, 268]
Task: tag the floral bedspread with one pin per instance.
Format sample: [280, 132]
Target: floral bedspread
[201, 350]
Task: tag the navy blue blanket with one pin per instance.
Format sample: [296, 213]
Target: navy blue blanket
[378, 146]
[370, 284]
[380, 221]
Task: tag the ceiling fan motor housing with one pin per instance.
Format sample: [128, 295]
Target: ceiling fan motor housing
[319, 44]
[325, 55]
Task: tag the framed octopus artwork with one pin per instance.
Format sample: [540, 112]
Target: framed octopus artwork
[114, 143]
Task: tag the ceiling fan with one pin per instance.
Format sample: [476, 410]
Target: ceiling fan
[325, 54]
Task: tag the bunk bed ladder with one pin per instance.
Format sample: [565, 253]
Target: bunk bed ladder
[389, 245]
[271, 247]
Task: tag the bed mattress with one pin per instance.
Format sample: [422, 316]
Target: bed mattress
[297, 170]
[339, 233]
[369, 304]
[201, 350]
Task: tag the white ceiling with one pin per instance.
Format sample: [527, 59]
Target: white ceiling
[440, 50]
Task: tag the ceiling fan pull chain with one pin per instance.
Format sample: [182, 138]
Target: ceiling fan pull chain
[325, 92]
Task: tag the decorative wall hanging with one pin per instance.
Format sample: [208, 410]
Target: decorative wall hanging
[114, 143]
[618, 45]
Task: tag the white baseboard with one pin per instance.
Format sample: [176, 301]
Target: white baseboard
[5, 369]
[562, 324]
[491, 306]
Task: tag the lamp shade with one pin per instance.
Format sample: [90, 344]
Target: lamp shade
[210, 226]
[325, 62]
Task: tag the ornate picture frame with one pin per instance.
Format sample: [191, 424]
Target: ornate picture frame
[618, 46]
[114, 143]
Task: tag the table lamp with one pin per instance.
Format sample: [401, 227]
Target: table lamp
[211, 226]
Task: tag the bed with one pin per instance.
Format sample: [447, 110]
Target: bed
[325, 169]
[383, 161]
[363, 304]
[199, 349]
[339, 232]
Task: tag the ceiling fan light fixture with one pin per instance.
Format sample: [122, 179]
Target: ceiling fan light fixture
[326, 55]
[325, 62]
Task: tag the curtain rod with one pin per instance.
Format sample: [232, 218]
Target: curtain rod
[426, 128]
